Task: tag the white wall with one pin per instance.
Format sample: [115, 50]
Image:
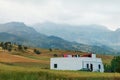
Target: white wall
[66, 63]
[73, 63]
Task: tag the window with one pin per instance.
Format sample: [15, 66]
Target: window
[55, 65]
[99, 66]
[87, 66]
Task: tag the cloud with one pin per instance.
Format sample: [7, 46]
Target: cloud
[75, 12]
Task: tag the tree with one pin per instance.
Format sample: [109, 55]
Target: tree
[2, 45]
[50, 49]
[25, 47]
[55, 55]
[115, 64]
[107, 68]
[20, 47]
[6, 45]
[9, 49]
[37, 51]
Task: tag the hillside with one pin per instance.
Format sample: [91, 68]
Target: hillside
[27, 65]
[29, 56]
[97, 35]
[22, 34]
[10, 37]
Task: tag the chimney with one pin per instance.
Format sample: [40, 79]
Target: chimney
[93, 55]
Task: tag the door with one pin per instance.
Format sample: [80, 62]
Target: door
[91, 67]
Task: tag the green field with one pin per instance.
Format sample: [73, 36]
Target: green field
[29, 66]
[10, 72]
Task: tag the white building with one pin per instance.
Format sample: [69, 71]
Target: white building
[77, 63]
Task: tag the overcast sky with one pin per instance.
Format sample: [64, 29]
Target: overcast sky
[75, 12]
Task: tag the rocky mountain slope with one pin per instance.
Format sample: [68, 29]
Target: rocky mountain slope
[87, 34]
[23, 34]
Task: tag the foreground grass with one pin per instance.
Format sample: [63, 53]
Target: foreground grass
[8, 72]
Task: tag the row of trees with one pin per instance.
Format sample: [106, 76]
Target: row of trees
[114, 66]
[10, 46]
[6, 46]
[13, 46]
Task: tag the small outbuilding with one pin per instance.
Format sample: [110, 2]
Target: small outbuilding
[88, 62]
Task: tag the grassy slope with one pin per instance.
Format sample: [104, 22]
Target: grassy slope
[8, 72]
[29, 66]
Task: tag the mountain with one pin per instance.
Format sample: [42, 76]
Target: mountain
[86, 34]
[26, 35]
[9, 37]
[20, 29]
[23, 31]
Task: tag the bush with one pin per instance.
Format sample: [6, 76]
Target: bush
[20, 47]
[107, 68]
[9, 49]
[50, 49]
[85, 69]
[55, 55]
[25, 47]
[37, 51]
[115, 64]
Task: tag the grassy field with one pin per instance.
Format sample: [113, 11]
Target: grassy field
[10, 72]
[29, 66]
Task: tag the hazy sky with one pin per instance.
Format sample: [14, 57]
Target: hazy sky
[75, 12]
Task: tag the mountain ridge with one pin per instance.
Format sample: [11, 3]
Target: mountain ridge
[86, 34]
[36, 39]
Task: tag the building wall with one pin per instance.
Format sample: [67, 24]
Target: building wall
[66, 63]
[76, 63]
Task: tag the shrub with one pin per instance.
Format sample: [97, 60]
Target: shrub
[9, 49]
[37, 51]
[115, 64]
[107, 68]
[50, 49]
[55, 55]
[25, 47]
[20, 47]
